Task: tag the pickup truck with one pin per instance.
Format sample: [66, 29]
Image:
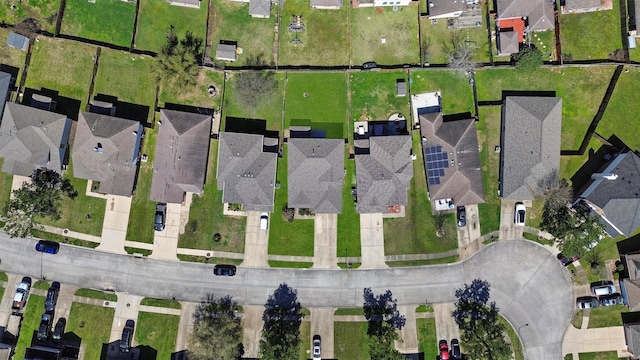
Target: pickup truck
[22, 293]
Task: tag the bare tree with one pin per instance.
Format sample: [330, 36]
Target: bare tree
[459, 52]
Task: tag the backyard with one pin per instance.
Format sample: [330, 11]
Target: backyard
[324, 40]
[198, 95]
[373, 95]
[590, 35]
[453, 86]
[92, 324]
[385, 35]
[86, 19]
[156, 334]
[350, 340]
[488, 132]
[45, 12]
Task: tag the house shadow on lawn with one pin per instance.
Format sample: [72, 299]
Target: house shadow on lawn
[13, 71]
[188, 109]
[56, 102]
[124, 110]
[595, 162]
[249, 126]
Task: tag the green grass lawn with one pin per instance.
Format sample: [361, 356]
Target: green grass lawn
[606, 355]
[143, 209]
[269, 108]
[416, 232]
[155, 18]
[569, 165]
[373, 95]
[5, 187]
[255, 36]
[118, 70]
[41, 285]
[573, 85]
[349, 311]
[516, 345]
[324, 41]
[206, 212]
[488, 132]
[576, 320]
[87, 20]
[51, 68]
[348, 220]
[319, 97]
[96, 294]
[92, 324]
[44, 11]
[606, 316]
[11, 56]
[160, 303]
[591, 35]
[616, 120]
[453, 86]
[634, 54]
[545, 41]
[427, 342]
[157, 331]
[30, 323]
[288, 238]
[444, 260]
[305, 340]
[3, 276]
[350, 340]
[370, 26]
[197, 95]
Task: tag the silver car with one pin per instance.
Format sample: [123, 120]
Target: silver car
[317, 350]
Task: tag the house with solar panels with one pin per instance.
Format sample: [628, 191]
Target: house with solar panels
[451, 155]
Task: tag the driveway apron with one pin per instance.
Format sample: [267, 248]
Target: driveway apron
[116, 221]
[325, 231]
[256, 242]
[372, 241]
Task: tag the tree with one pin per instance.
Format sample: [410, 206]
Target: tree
[254, 85]
[480, 328]
[281, 331]
[178, 62]
[383, 317]
[528, 59]
[458, 51]
[39, 197]
[216, 330]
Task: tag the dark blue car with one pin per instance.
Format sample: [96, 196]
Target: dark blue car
[49, 247]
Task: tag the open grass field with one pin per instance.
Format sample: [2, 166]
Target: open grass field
[373, 95]
[157, 331]
[606, 316]
[385, 36]
[427, 337]
[30, 323]
[50, 68]
[453, 86]
[574, 85]
[11, 56]
[255, 36]
[88, 20]
[348, 220]
[350, 340]
[416, 232]
[156, 17]
[197, 95]
[488, 132]
[288, 238]
[324, 41]
[591, 35]
[618, 119]
[92, 324]
[269, 108]
[206, 213]
[44, 11]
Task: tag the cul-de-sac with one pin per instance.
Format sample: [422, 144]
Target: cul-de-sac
[319, 179]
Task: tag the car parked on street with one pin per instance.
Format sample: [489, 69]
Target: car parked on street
[520, 214]
[603, 287]
[49, 247]
[224, 270]
[160, 217]
[610, 300]
[58, 331]
[455, 349]
[444, 349]
[587, 302]
[51, 299]
[461, 215]
[317, 350]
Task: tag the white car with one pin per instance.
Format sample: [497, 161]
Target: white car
[264, 221]
[519, 214]
[603, 287]
[317, 351]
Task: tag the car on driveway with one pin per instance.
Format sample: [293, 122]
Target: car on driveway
[520, 214]
[127, 334]
[461, 215]
[444, 349]
[58, 331]
[610, 300]
[49, 247]
[51, 299]
[587, 302]
[317, 350]
[603, 287]
[455, 349]
[160, 217]
[45, 327]
[224, 270]
[264, 221]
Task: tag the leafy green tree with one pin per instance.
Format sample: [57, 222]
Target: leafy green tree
[383, 317]
[39, 197]
[528, 59]
[178, 62]
[216, 331]
[281, 331]
[480, 329]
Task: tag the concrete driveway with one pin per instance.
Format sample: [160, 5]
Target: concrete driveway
[114, 226]
[165, 242]
[252, 330]
[322, 324]
[256, 242]
[446, 327]
[508, 230]
[467, 235]
[325, 241]
[372, 241]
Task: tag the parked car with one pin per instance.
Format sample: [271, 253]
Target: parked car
[51, 299]
[127, 334]
[455, 349]
[610, 300]
[49, 247]
[461, 214]
[444, 350]
[21, 294]
[264, 221]
[519, 214]
[58, 331]
[369, 65]
[160, 217]
[587, 302]
[317, 351]
[45, 327]
[566, 261]
[224, 270]
[603, 287]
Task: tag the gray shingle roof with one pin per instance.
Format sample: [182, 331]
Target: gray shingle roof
[260, 8]
[632, 332]
[539, 12]
[315, 174]
[18, 41]
[31, 138]
[5, 82]
[587, 4]
[530, 144]
[509, 42]
[106, 149]
[182, 150]
[326, 3]
[226, 52]
[443, 7]
[245, 173]
[383, 176]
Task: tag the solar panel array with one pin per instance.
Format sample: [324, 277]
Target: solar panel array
[437, 161]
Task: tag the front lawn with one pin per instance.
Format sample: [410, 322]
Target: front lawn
[348, 243]
[109, 21]
[157, 332]
[427, 342]
[453, 86]
[92, 324]
[514, 339]
[350, 340]
[305, 340]
[384, 35]
[96, 294]
[160, 303]
[43, 11]
[197, 95]
[605, 355]
[255, 36]
[157, 17]
[606, 316]
[373, 95]
[590, 35]
[5, 187]
[488, 132]
[416, 232]
[30, 324]
[206, 217]
[324, 40]
[618, 119]
[11, 56]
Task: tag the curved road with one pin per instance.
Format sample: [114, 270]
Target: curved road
[527, 283]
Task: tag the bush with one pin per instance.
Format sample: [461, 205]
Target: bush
[288, 214]
[528, 59]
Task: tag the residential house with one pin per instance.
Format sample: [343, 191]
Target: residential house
[226, 52]
[510, 35]
[260, 8]
[315, 170]
[18, 41]
[247, 170]
[32, 139]
[326, 4]
[106, 150]
[5, 85]
[529, 145]
[629, 251]
[538, 14]
[631, 327]
[451, 157]
[182, 152]
[383, 172]
[443, 9]
[582, 6]
[613, 193]
[186, 3]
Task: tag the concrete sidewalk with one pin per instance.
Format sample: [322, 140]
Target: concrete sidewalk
[114, 226]
[325, 241]
[372, 241]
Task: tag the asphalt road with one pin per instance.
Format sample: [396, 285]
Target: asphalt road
[527, 283]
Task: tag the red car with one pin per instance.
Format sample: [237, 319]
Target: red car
[444, 350]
